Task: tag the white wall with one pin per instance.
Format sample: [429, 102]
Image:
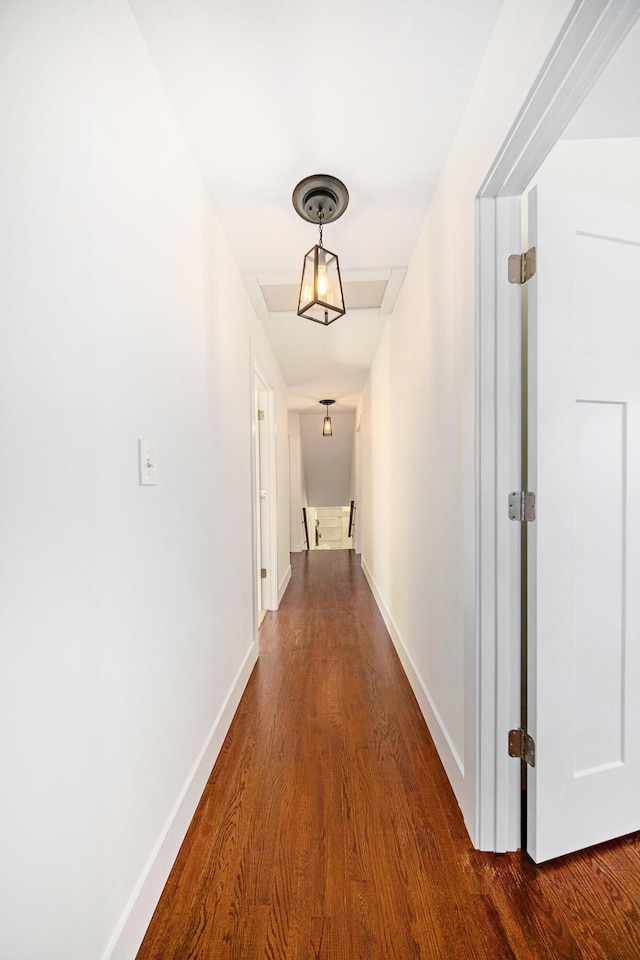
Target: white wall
[419, 407]
[127, 612]
[327, 461]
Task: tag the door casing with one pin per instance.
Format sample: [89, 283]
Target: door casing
[269, 588]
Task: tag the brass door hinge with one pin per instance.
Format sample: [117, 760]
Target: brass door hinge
[522, 747]
[522, 506]
[522, 266]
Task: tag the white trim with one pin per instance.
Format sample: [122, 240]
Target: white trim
[128, 935]
[284, 583]
[254, 491]
[588, 39]
[358, 540]
[449, 756]
[497, 561]
[271, 597]
[270, 415]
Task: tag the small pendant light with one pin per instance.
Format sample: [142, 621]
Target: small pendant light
[327, 427]
[320, 199]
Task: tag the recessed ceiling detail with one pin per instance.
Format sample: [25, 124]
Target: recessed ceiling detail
[358, 294]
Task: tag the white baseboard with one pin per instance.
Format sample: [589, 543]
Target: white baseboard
[284, 584]
[449, 756]
[126, 939]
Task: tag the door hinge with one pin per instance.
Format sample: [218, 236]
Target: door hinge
[522, 506]
[522, 746]
[263, 573]
[260, 414]
[522, 266]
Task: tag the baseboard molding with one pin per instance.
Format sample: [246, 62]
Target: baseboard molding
[126, 940]
[448, 754]
[284, 584]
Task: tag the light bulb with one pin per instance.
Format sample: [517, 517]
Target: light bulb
[323, 282]
[324, 291]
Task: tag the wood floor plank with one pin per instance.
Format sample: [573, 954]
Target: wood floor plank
[328, 829]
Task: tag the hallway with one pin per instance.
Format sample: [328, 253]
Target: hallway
[328, 830]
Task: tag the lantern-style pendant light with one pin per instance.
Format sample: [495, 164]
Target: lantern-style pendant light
[320, 199]
[327, 428]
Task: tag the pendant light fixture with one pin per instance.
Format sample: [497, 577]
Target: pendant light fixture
[320, 199]
[327, 428]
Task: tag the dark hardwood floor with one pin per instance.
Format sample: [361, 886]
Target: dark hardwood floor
[328, 830]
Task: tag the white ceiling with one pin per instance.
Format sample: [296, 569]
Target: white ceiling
[271, 91]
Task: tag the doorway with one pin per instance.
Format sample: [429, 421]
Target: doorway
[329, 528]
[581, 51]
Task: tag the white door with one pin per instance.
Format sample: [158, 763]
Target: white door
[260, 497]
[329, 526]
[584, 546]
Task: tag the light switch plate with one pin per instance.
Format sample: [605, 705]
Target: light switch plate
[147, 462]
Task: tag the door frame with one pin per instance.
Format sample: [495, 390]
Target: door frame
[270, 540]
[589, 37]
[357, 540]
